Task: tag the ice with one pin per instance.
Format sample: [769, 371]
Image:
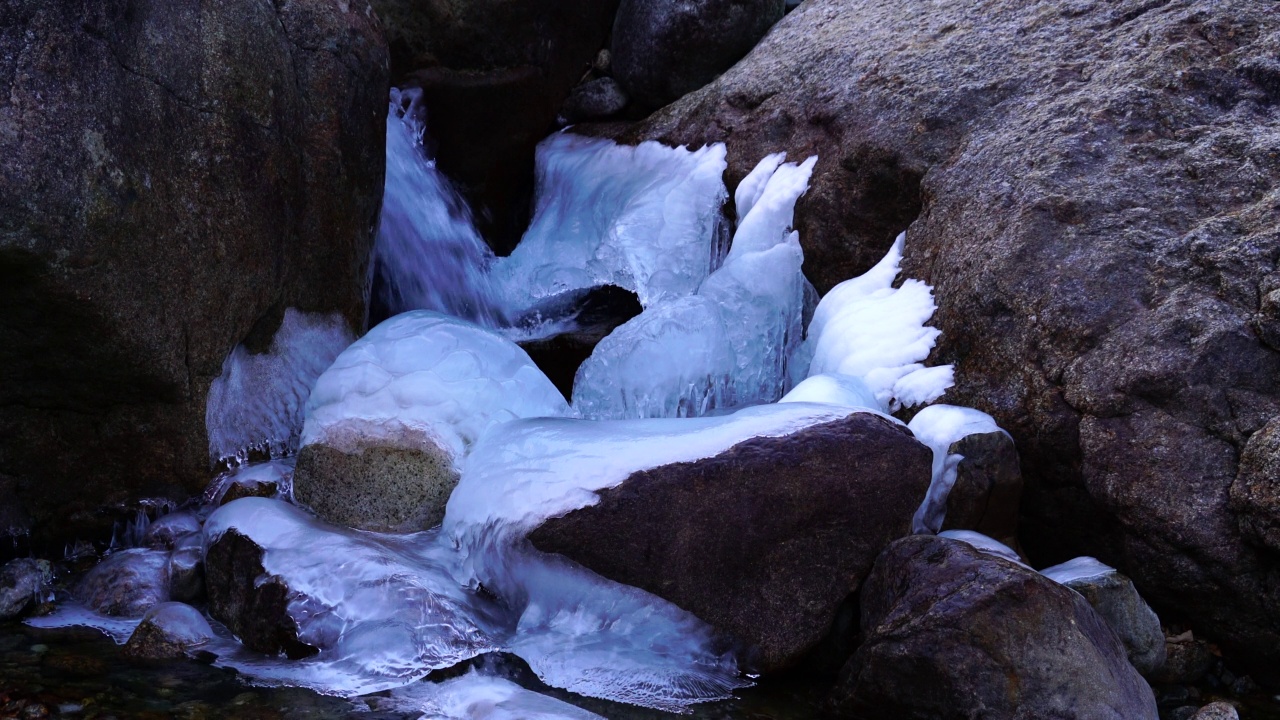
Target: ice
[428, 254]
[474, 695]
[1081, 568]
[181, 623]
[867, 328]
[257, 402]
[431, 374]
[645, 218]
[940, 427]
[984, 544]
[729, 345]
[752, 186]
[843, 390]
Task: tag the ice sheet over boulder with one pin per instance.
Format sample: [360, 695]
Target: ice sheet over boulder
[389, 419]
[730, 344]
[940, 427]
[645, 218]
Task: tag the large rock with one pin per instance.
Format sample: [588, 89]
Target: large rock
[24, 583]
[988, 487]
[1255, 494]
[953, 632]
[1117, 601]
[764, 540]
[127, 583]
[173, 175]
[251, 603]
[1093, 188]
[663, 49]
[494, 73]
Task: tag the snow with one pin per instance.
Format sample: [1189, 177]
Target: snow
[842, 390]
[867, 328]
[1081, 568]
[644, 218]
[730, 344]
[257, 401]
[940, 427]
[425, 373]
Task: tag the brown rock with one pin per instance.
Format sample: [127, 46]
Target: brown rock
[763, 541]
[250, 603]
[1255, 494]
[953, 632]
[987, 489]
[173, 175]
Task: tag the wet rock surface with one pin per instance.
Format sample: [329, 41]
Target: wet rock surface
[168, 630]
[1091, 191]
[175, 174]
[663, 49]
[594, 100]
[763, 541]
[126, 583]
[951, 632]
[23, 585]
[1117, 601]
[251, 604]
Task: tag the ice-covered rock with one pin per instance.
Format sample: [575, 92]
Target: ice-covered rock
[166, 530]
[940, 427]
[869, 329]
[730, 344]
[390, 418]
[24, 583]
[982, 543]
[168, 630]
[1115, 598]
[473, 695]
[257, 403]
[645, 218]
[843, 390]
[126, 583]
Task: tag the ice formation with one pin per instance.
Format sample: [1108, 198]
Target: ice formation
[431, 374]
[1081, 568]
[983, 543]
[730, 344]
[843, 390]
[257, 402]
[645, 218]
[475, 695]
[428, 254]
[871, 330]
[940, 427]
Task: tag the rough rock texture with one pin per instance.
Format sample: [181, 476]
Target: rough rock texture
[1117, 601]
[380, 487]
[988, 487]
[952, 632]
[594, 100]
[1217, 711]
[1255, 494]
[663, 49]
[763, 541]
[168, 631]
[493, 74]
[173, 175]
[251, 604]
[1094, 189]
[23, 584]
[1187, 661]
[126, 583]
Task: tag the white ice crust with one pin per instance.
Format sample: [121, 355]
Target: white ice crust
[940, 427]
[430, 373]
[258, 399]
[983, 543]
[1081, 568]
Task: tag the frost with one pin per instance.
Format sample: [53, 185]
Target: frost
[940, 427]
[428, 374]
[257, 402]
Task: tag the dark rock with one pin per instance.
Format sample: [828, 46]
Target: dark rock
[593, 100]
[952, 632]
[987, 489]
[1186, 662]
[169, 630]
[493, 74]
[581, 320]
[1117, 601]
[248, 488]
[126, 583]
[1255, 494]
[1091, 191]
[252, 604]
[663, 49]
[23, 585]
[167, 530]
[186, 570]
[796, 519]
[175, 175]
[1217, 711]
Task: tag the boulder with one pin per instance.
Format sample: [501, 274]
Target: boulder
[988, 487]
[175, 175]
[1117, 601]
[23, 585]
[168, 631]
[583, 318]
[1090, 189]
[1255, 494]
[388, 420]
[251, 603]
[126, 583]
[593, 100]
[797, 519]
[494, 74]
[186, 570]
[663, 49]
[953, 632]
[168, 530]
[1217, 711]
